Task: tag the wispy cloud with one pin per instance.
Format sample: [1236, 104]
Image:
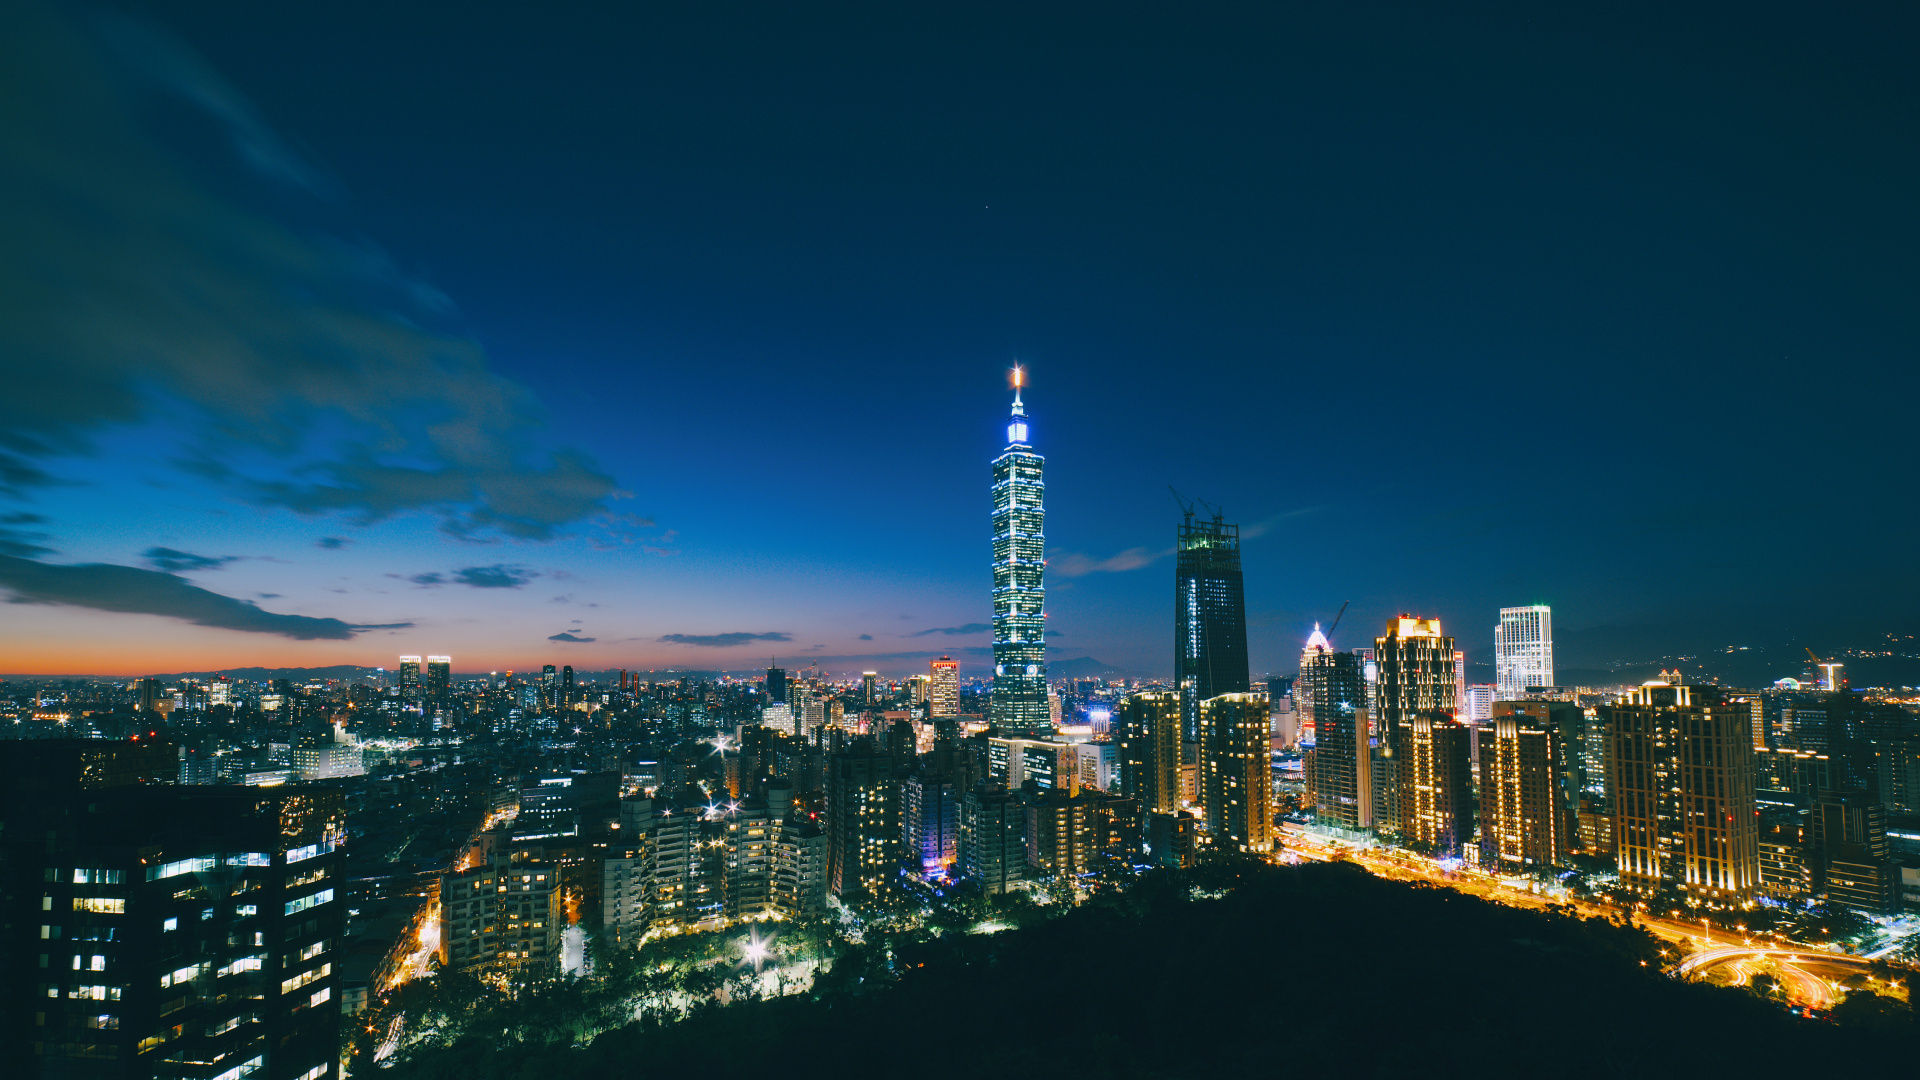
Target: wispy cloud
[130, 280]
[498, 576]
[166, 558]
[866, 637]
[951, 631]
[332, 543]
[565, 636]
[1074, 564]
[721, 641]
[132, 590]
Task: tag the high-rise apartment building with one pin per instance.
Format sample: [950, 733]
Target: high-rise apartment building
[992, 848]
[863, 825]
[1236, 771]
[1681, 778]
[154, 930]
[1522, 650]
[1523, 818]
[1854, 864]
[1340, 768]
[1436, 782]
[1209, 616]
[1149, 738]
[502, 914]
[1414, 675]
[943, 687]
[929, 822]
[1019, 590]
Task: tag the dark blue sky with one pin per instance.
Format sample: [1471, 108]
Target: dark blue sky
[1609, 308]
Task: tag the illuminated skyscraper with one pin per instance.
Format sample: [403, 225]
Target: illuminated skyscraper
[1149, 737]
[870, 687]
[1523, 650]
[1436, 786]
[439, 678]
[1019, 590]
[1680, 772]
[1414, 662]
[410, 680]
[1236, 771]
[1340, 769]
[1209, 616]
[943, 689]
[1523, 817]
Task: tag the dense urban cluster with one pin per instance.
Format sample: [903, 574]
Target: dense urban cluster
[203, 875]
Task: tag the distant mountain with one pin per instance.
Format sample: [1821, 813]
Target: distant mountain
[1084, 667]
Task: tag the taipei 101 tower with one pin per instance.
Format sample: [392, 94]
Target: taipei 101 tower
[1019, 592]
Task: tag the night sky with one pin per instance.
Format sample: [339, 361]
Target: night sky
[679, 334]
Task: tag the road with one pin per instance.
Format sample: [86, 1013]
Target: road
[1704, 952]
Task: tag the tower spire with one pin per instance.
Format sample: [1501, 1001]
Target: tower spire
[1019, 380]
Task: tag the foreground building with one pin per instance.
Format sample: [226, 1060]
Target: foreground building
[1523, 820]
[151, 930]
[1236, 771]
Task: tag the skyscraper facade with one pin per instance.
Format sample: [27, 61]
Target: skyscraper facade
[410, 680]
[1414, 665]
[1340, 770]
[1236, 771]
[1149, 737]
[1436, 800]
[439, 678]
[1209, 616]
[1019, 590]
[1522, 650]
[943, 687]
[1523, 820]
[1680, 771]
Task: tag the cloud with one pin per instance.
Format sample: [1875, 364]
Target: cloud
[1074, 564]
[721, 641]
[970, 628]
[332, 543]
[131, 590]
[498, 576]
[1266, 525]
[165, 558]
[22, 543]
[129, 287]
[866, 637]
[564, 636]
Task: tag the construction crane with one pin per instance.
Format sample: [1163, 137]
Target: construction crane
[1336, 619]
[1828, 666]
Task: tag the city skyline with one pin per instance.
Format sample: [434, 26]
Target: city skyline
[770, 439]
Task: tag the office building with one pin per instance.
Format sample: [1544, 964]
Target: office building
[992, 848]
[1681, 780]
[1236, 772]
[776, 685]
[1479, 703]
[1209, 616]
[1785, 835]
[1523, 818]
[943, 687]
[870, 687]
[1172, 839]
[1149, 749]
[1019, 704]
[1436, 801]
[115, 961]
[1340, 767]
[1522, 651]
[410, 685]
[1855, 866]
[1414, 676]
[439, 678]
